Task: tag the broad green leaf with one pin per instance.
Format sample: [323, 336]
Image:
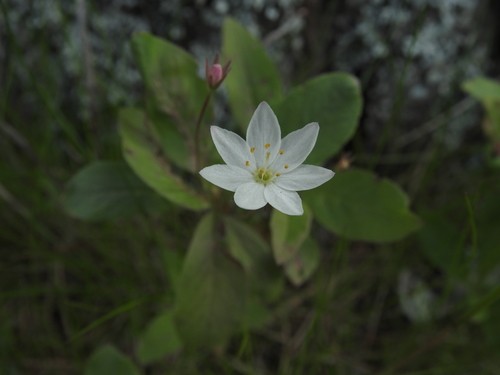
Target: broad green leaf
[254, 254]
[108, 190]
[175, 89]
[170, 140]
[253, 77]
[334, 101]
[264, 277]
[142, 153]
[301, 267]
[288, 233]
[159, 339]
[211, 291]
[245, 244]
[483, 88]
[171, 78]
[358, 205]
[107, 360]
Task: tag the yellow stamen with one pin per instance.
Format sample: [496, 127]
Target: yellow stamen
[282, 152]
[267, 145]
[278, 174]
[286, 166]
[247, 163]
[252, 150]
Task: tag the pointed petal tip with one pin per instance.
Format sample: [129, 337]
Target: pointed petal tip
[304, 177]
[313, 125]
[285, 201]
[264, 133]
[266, 108]
[299, 212]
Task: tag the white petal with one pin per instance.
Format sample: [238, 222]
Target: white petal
[264, 134]
[304, 177]
[250, 196]
[232, 148]
[285, 201]
[295, 147]
[226, 176]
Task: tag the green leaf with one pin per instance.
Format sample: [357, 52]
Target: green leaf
[253, 77]
[288, 233]
[487, 91]
[245, 244]
[171, 78]
[169, 139]
[211, 292]
[174, 89]
[358, 205]
[483, 88]
[264, 278]
[108, 360]
[108, 190]
[301, 267]
[159, 339]
[254, 254]
[334, 101]
[141, 151]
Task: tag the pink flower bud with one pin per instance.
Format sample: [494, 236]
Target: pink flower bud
[216, 73]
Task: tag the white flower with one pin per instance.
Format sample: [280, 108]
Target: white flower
[265, 168]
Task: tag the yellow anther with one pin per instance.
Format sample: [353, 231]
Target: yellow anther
[278, 174]
[252, 149]
[286, 166]
[267, 145]
[247, 163]
[282, 152]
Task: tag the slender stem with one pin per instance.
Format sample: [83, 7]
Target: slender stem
[197, 131]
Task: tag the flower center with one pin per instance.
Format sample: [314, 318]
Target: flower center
[261, 173]
[264, 176]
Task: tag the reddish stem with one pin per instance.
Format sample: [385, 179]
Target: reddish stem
[197, 131]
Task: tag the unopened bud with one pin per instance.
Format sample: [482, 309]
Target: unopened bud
[216, 73]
